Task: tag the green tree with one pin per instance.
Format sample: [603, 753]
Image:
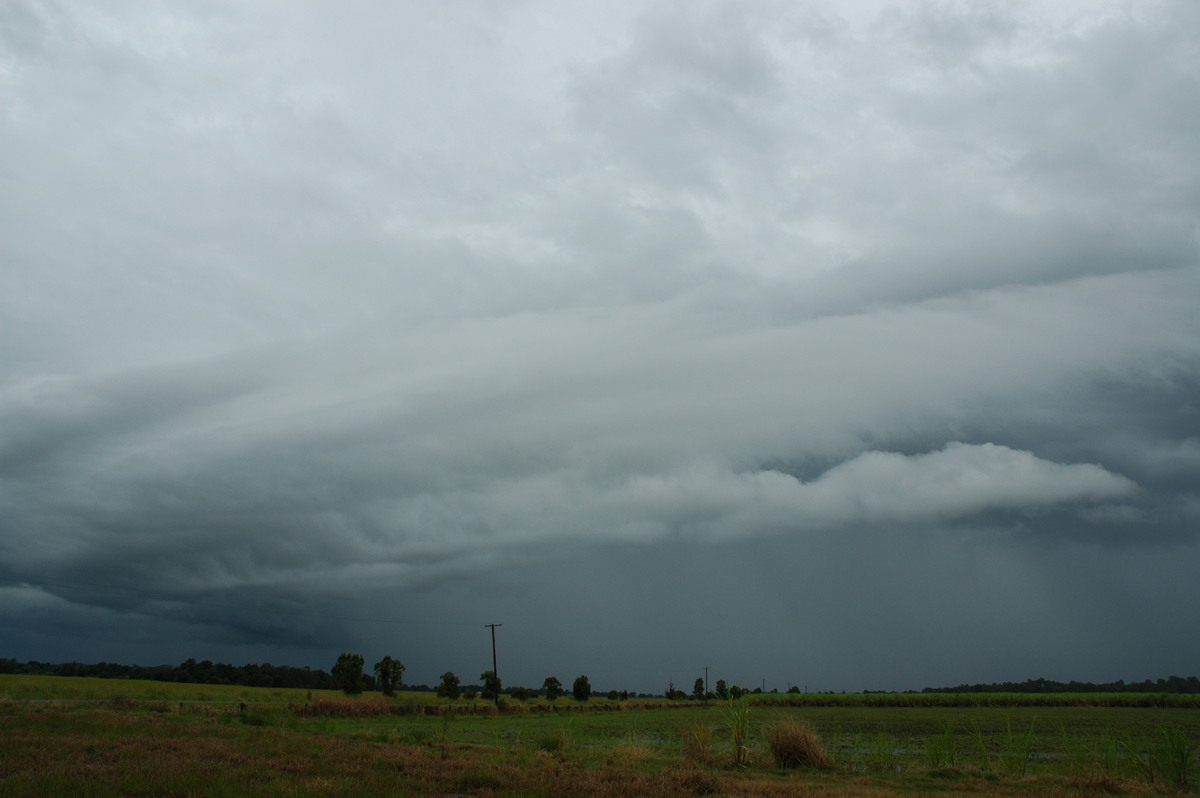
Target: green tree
[552, 688]
[698, 689]
[582, 689]
[491, 685]
[722, 689]
[389, 674]
[348, 673]
[449, 686]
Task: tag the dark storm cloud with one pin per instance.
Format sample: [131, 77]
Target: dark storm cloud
[784, 316]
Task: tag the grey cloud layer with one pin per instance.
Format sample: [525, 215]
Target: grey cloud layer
[295, 305]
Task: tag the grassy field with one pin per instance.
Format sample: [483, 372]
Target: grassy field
[75, 736]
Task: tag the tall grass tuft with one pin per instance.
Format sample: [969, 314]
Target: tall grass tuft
[981, 749]
[794, 744]
[1017, 749]
[941, 751]
[1168, 759]
[737, 713]
[885, 753]
[698, 744]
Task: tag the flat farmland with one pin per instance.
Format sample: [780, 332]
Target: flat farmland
[63, 736]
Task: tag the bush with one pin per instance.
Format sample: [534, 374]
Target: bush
[795, 745]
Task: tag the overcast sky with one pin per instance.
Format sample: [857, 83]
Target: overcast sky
[847, 345]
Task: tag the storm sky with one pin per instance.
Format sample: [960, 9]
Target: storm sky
[844, 345]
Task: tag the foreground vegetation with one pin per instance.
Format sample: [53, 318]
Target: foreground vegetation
[62, 736]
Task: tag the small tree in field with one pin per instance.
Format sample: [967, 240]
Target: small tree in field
[389, 673]
[582, 689]
[552, 688]
[348, 673]
[491, 685]
[449, 686]
[698, 689]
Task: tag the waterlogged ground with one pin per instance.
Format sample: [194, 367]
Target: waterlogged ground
[238, 741]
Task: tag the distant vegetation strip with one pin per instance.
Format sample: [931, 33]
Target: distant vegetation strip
[1171, 684]
[189, 672]
[986, 699]
[1174, 691]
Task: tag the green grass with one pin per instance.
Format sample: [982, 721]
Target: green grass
[117, 737]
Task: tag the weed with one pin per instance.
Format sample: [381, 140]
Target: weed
[1169, 759]
[941, 751]
[698, 744]
[1108, 753]
[885, 753]
[794, 744]
[555, 743]
[981, 749]
[1014, 755]
[737, 713]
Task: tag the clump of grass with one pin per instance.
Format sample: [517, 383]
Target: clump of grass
[556, 742]
[737, 713]
[981, 749]
[559, 742]
[1174, 759]
[1168, 759]
[885, 753]
[941, 752]
[794, 744]
[698, 744]
[1017, 749]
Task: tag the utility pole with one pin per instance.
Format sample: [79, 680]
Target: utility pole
[495, 673]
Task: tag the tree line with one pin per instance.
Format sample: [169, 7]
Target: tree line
[388, 674]
[190, 672]
[348, 675]
[1172, 684]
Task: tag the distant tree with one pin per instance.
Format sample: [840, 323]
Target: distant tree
[449, 686]
[736, 692]
[795, 688]
[582, 689]
[348, 673]
[552, 688]
[522, 693]
[722, 689]
[390, 675]
[674, 695]
[491, 685]
[613, 695]
[698, 689]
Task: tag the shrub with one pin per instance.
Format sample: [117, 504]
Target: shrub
[794, 744]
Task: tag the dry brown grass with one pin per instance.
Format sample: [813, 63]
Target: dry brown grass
[698, 744]
[332, 708]
[794, 744]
